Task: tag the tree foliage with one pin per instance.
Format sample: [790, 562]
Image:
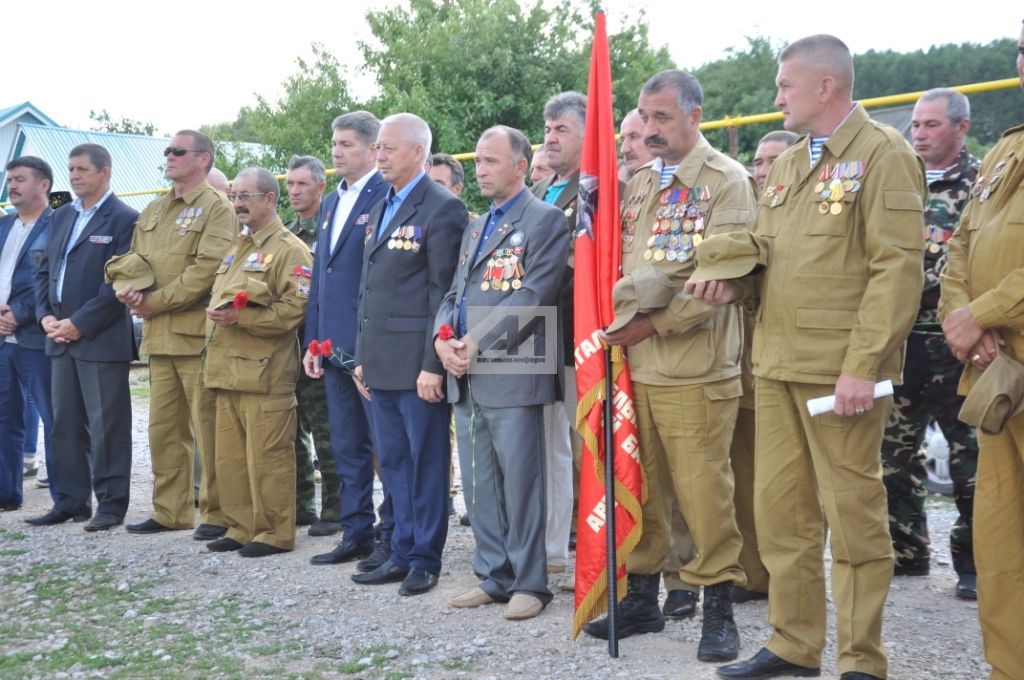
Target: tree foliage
[130, 126]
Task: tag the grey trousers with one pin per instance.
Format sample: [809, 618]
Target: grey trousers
[501, 453]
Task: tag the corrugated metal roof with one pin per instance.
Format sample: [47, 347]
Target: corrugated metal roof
[24, 107]
[138, 161]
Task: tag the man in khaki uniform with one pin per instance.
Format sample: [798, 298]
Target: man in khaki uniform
[251, 364]
[982, 298]
[183, 235]
[684, 357]
[840, 227]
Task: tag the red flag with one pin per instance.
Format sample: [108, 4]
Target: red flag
[598, 259]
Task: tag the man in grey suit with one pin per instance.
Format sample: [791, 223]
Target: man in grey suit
[513, 256]
[412, 241]
[89, 340]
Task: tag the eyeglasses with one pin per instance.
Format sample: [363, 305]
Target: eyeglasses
[179, 151]
[245, 195]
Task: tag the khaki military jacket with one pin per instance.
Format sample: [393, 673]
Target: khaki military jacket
[845, 240]
[985, 271]
[261, 352]
[710, 194]
[184, 240]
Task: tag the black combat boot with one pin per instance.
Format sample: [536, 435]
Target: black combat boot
[719, 639]
[637, 613]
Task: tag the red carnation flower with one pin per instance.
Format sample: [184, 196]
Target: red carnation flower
[325, 347]
[314, 348]
[240, 300]
[446, 332]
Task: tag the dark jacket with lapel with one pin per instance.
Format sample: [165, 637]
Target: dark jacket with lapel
[402, 289]
[87, 300]
[539, 230]
[334, 293]
[22, 299]
[566, 203]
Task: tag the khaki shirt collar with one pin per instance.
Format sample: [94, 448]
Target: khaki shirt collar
[844, 135]
[192, 194]
[690, 167]
[264, 234]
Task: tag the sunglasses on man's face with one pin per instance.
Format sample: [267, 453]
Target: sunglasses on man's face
[178, 151]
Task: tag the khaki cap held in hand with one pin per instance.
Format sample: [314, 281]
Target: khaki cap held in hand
[129, 269]
[639, 292]
[728, 256]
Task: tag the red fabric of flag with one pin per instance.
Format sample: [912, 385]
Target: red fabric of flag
[598, 252]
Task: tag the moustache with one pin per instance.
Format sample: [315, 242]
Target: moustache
[655, 139]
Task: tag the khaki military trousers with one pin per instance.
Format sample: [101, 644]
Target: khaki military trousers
[181, 419]
[256, 466]
[999, 548]
[685, 432]
[804, 465]
[741, 457]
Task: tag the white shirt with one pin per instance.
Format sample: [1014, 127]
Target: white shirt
[81, 222]
[347, 200]
[9, 259]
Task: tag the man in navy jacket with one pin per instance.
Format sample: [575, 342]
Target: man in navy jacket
[24, 367]
[89, 340]
[331, 315]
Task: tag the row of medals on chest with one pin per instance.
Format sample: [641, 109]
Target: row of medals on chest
[834, 182]
[503, 270]
[986, 184]
[681, 216]
[405, 238]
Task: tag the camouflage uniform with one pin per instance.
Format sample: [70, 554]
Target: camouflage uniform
[312, 425]
[930, 378]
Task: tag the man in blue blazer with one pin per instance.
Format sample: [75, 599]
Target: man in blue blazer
[89, 340]
[24, 367]
[408, 264]
[331, 315]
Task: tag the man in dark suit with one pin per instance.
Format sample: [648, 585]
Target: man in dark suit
[564, 116]
[89, 340]
[512, 257]
[24, 367]
[408, 264]
[331, 315]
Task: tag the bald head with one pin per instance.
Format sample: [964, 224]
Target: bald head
[825, 55]
[218, 180]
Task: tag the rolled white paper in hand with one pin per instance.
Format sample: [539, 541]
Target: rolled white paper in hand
[825, 404]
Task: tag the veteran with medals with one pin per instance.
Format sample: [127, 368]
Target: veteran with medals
[511, 257]
[410, 255]
[684, 358]
[251, 363]
[183, 235]
[838, 233]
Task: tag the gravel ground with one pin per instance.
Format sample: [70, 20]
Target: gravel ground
[111, 604]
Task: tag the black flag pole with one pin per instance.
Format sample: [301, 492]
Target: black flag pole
[609, 507]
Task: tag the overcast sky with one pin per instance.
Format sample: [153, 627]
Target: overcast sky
[185, 63]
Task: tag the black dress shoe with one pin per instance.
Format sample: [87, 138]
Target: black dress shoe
[417, 582]
[208, 532]
[381, 553]
[857, 675]
[304, 519]
[257, 549]
[679, 605]
[55, 516]
[150, 526]
[967, 587]
[9, 507]
[323, 527]
[464, 520]
[103, 521]
[345, 552]
[911, 568]
[764, 664]
[740, 595]
[223, 545]
[385, 573]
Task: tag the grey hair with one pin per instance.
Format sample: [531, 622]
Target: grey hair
[311, 163]
[689, 93]
[827, 53]
[363, 123]
[415, 128]
[958, 106]
[265, 180]
[565, 103]
[780, 136]
[521, 147]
